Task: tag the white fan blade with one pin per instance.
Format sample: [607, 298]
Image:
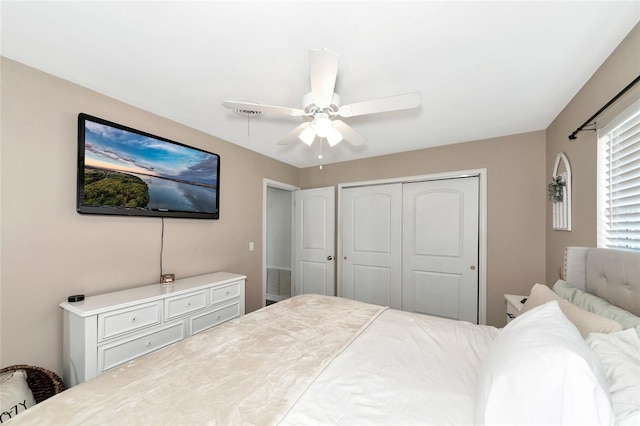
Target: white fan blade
[293, 136]
[323, 67]
[349, 135]
[251, 106]
[392, 103]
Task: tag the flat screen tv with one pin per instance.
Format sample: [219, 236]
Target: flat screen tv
[123, 171]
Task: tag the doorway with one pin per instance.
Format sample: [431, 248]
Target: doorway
[277, 260]
[298, 250]
[278, 256]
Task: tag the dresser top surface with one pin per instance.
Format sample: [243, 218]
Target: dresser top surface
[97, 304]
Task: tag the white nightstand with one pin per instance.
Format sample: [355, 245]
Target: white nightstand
[514, 305]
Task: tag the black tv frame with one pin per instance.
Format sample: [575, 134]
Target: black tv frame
[128, 211]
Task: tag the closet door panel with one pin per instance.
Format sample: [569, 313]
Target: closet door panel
[372, 284]
[437, 293]
[371, 221]
[440, 248]
[437, 224]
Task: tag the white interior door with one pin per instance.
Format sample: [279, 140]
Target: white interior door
[314, 266]
[371, 220]
[440, 248]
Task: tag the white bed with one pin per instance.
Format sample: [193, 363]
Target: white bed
[325, 360]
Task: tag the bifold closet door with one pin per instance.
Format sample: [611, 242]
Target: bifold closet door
[371, 261]
[440, 248]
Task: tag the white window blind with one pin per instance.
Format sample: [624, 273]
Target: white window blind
[619, 181]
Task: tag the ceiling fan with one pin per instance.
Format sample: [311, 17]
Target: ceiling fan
[322, 105]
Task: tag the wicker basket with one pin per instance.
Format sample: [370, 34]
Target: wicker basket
[42, 382]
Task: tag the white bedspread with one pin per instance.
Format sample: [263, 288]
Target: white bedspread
[246, 371]
[338, 360]
[404, 369]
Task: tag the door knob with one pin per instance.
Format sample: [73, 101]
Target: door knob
[329, 257]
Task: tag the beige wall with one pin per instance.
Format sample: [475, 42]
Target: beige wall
[515, 201]
[49, 251]
[616, 73]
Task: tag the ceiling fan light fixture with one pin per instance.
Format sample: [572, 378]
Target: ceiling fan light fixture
[334, 137]
[322, 124]
[307, 135]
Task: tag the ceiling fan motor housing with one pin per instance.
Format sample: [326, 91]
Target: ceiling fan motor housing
[310, 107]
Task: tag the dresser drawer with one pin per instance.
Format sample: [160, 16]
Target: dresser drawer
[126, 320]
[202, 322]
[114, 354]
[181, 305]
[220, 294]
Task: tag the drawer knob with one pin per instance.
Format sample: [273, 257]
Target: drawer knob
[227, 293]
[133, 319]
[148, 344]
[188, 304]
[218, 317]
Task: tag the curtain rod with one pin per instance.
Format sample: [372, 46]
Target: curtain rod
[573, 135]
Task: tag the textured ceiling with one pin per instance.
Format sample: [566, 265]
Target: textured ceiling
[484, 69]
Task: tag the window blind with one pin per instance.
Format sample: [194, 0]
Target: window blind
[619, 181]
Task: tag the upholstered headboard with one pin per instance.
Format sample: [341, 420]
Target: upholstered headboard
[611, 274]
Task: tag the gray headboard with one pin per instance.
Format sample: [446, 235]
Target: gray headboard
[611, 274]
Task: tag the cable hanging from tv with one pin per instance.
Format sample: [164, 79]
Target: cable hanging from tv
[590, 121]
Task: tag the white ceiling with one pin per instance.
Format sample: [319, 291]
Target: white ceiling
[484, 69]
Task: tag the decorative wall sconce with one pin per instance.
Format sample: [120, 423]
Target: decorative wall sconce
[559, 192]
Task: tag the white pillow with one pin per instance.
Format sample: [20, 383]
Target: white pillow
[587, 322]
[540, 371]
[597, 305]
[620, 356]
[15, 395]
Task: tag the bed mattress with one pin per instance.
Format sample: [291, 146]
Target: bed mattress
[271, 366]
[403, 369]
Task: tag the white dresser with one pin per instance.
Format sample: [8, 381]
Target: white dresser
[107, 330]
